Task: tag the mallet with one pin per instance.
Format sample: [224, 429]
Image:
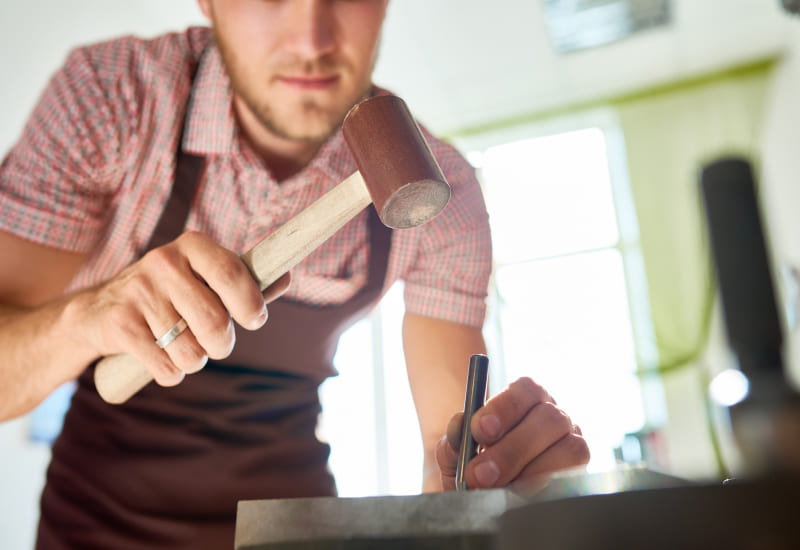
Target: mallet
[396, 171]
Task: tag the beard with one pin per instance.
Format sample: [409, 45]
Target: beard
[301, 119]
[306, 122]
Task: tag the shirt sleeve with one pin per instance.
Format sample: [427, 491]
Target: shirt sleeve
[450, 277]
[52, 187]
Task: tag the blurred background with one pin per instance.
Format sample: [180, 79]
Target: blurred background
[588, 122]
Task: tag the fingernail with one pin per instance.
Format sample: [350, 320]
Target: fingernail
[259, 321]
[198, 366]
[490, 426]
[487, 473]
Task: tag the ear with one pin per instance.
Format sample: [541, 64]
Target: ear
[205, 7]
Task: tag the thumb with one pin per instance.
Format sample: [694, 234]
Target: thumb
[447, 452]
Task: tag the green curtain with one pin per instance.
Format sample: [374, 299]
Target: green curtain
[670, 133]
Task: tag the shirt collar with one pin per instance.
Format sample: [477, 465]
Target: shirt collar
[210, 124]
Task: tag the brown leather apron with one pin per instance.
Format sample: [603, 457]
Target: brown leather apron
[166, 469]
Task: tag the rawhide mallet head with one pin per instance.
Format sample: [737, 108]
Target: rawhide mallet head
[404, 180]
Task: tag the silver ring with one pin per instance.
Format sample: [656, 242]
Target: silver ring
[171, 334]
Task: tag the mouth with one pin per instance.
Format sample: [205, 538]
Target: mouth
[309, 82]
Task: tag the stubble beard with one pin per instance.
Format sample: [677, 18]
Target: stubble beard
[307, 121]
[316, 127]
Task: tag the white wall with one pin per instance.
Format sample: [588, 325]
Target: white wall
[35, 36]
[780, 180]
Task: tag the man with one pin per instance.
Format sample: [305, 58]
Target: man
[245, 123]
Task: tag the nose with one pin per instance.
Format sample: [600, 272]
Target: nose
[311, 28]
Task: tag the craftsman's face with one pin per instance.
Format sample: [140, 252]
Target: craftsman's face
[297, 66]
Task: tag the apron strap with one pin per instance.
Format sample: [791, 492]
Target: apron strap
[188, 172]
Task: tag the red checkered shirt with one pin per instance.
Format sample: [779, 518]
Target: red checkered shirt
[94, 166]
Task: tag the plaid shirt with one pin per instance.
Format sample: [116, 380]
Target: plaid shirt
[94, 167]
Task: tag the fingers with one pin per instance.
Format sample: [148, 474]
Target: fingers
[133, 336]
[227, 277]
[500, 463]
[447, 452]
[569, 450]
[447, 458]
[177, 293]
[278, 288]
[143, 326]
[507, 409]
[193, 279]
[454, 432]
[185, 352]
[210, 325]
[523, 437]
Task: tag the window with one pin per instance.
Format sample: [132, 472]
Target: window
[368, 412]
[568, 294]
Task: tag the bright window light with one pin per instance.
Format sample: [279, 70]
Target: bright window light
[348, 418]
[729, 387]
[565, 323]
[368, 412]
[549, 196]
[561, 313]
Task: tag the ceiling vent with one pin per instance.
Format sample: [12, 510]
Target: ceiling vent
[580, 24]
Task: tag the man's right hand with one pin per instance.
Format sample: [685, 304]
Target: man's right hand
[49, 338]
[192, 278]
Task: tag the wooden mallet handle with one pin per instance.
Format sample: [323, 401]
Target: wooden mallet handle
[396, 171]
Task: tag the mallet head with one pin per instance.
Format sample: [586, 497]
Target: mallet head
[404, 180]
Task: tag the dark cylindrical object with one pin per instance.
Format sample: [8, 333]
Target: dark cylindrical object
[766, 423]
[405, 181]
[742, 264]
[473, 400]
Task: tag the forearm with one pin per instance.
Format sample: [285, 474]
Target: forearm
[437, 356]
[41, 351]
[445, 399]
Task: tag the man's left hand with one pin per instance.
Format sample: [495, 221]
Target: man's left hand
[523, 436]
